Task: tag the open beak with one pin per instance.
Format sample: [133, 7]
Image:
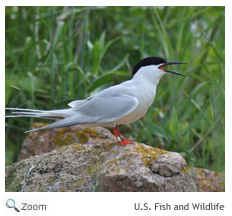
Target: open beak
[169, 71]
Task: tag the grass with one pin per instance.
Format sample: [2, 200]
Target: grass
[57, 54]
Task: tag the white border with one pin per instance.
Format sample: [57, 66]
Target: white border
[116, 3]
[122, 203]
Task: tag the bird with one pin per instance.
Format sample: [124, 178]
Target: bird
[119, 104]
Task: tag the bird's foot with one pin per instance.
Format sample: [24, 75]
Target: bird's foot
[124, 142]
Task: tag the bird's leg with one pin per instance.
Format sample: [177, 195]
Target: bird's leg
[122, 141]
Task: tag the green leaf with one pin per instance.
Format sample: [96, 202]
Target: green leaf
[101, 81]
[60, 25]
[120, 64]
[108, 76]
[156, 130]
[90, 45]
[102, 40]
[106, 47]
[193, 124]
[174, 123]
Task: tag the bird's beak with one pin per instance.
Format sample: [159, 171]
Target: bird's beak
[169, 71]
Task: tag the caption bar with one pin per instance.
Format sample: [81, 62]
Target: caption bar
[187, 206]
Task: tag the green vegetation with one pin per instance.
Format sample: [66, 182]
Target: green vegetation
[58, 54]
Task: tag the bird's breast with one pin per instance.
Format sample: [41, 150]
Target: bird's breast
[145, 95]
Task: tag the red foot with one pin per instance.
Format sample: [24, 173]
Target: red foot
[131, 140]
[122, 141]
[125, 142]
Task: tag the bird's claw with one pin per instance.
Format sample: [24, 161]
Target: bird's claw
[125, 142]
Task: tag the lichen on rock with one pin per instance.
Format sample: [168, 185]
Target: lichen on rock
[98, 167]
[67, 165]
[40, 142]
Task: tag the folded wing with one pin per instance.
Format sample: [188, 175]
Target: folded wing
[98, 109]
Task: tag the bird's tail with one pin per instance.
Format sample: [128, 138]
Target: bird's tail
[45, 114]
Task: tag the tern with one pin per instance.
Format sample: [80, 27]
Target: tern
[119, 104]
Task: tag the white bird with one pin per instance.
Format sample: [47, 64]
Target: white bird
[120, 104]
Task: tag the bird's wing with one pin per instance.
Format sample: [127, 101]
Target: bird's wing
[108, 109]
[98, 109]
[78, 102]
[108, 105]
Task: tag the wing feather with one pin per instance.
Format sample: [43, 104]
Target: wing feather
[98, 110]
[108, 106]
[107, 109]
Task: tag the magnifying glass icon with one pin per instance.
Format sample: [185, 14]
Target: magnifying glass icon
[10, 203]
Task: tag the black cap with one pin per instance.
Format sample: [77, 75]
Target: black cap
[148, 61]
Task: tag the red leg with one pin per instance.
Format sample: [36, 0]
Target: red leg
[122, 141]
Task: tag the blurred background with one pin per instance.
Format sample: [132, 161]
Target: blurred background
[58, 54]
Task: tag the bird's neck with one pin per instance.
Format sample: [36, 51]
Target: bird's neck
[148, 76]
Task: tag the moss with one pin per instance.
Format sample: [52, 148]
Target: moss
[204, 183]
[118, 170]
[149, 154]
[185, 170]
[80, 182]
[114, 161]
[221, 184]
[92, 133]
[51, 179]
[105, 146]
[38, 133]
[82, 136]
[75, 147]
[11, 183]
[96, 156]
[60, 139]
[35, 138]
[90, 169]
[215, 183]
[128, 155]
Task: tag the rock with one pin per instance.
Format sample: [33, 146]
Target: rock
[101, 167]
[97, 164]
[207, 181]
[40, 142]
[168, 164]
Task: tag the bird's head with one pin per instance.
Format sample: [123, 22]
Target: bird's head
[152, 68]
